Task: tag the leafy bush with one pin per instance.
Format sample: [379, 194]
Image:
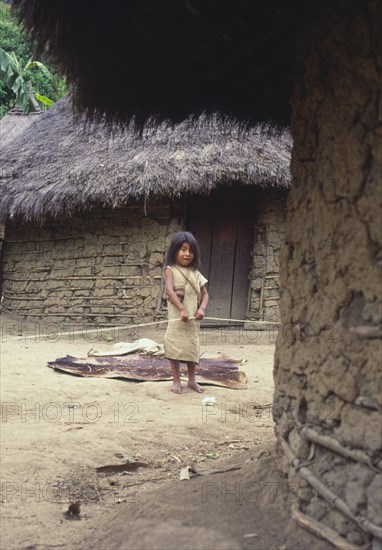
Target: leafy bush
[44, 83]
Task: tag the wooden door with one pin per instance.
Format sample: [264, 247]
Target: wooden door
[222, 224]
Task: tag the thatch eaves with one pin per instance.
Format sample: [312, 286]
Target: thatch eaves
[60, 165]
[170, 59]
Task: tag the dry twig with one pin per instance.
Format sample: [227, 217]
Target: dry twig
[322, 531]
[330, 443]
[327, 494]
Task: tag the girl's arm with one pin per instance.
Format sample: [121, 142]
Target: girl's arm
[172, 297]
[202, 308]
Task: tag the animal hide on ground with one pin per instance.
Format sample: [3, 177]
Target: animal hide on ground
[217, 371]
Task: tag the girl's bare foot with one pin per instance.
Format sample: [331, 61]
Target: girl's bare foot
[195, 386]
[176, 387]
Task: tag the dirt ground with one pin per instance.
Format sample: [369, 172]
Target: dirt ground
[57, 428]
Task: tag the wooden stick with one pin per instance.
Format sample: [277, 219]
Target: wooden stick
[367, 402]
[368, 332]
[53, 267]
[86, 278]
[196, 472]
[327, 494]
[322, 531]
[330, 443]
[36, 270]
[23, 299]
[265, 266]
[86, 300]
[46, 240]
[68, 315]
[229, 441]
[158, 307]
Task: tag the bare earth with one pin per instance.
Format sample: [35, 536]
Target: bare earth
[57, 428]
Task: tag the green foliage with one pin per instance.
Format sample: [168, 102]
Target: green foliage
[15, 77]
[45, 83]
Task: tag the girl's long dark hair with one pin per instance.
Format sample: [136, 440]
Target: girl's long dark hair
[177, 241]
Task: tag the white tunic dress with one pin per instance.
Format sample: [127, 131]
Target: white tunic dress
[181, 341]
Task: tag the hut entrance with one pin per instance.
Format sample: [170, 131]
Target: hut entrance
[222, 224]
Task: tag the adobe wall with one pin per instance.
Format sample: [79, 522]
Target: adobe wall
[105, 266]
[268, 237]
[328, 355]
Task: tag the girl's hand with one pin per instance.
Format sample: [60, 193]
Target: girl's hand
[200, 314]
[184, 315]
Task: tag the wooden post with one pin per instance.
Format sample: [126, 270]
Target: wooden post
[265, 265]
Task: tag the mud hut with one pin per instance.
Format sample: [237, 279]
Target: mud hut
[11, 126]
[90, 214]
[323, 59]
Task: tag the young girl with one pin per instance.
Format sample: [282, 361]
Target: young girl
[186, 297]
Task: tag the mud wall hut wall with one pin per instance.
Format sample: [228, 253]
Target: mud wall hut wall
[105, 266]
[102, 266]
[268, 237]
[328, 352]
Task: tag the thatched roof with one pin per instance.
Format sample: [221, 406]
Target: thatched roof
[12, 125]
[173, 58]
[59, 166]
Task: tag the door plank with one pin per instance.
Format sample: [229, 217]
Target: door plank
[223, 254]
[200, 222]
[222, 224]
[244, 239]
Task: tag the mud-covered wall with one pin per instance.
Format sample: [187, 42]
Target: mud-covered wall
[103, 266]
[268, 237]
[328, 354]
[106, 266]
